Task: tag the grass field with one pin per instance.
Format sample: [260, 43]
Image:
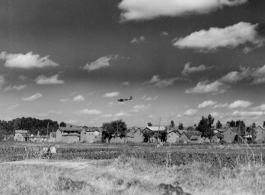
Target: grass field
[126, 176]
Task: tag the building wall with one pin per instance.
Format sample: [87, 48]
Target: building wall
[136, 137]
[118, 140]
[260, 134]
[90, 137]
[19, 137]
[83, 136]
[229, 136]
[58, 136]
[172, 137]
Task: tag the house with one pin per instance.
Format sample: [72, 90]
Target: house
[70, 133]
[91, 134]
[154, 131]
[190, 137]
[173, 136]
[260, 134]
[21, 135]
[135, 135]
[229, 133]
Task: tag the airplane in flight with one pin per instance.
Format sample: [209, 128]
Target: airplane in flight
[121, 100]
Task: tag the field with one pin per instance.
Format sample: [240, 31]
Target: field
[129, 175]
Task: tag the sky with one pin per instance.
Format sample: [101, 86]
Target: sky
[180, 60]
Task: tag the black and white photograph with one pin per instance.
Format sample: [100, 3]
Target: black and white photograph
[132, 97]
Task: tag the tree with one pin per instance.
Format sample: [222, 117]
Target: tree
[172, 124]
[180, 127]
[253, 125]
[62, 124]
[190, 128]
[204, 126]
[117, 128]
[232, 123]
[149, 124]
[218, 125]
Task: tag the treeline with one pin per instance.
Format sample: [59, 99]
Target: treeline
[33, 125]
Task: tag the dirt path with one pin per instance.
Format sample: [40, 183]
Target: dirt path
[64, 164]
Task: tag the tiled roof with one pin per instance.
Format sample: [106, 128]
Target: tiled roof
[74, 128]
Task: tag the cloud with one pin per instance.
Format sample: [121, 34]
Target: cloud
[42, 80]
[18, 88]
[99, 63]
[120, 114]
[161, 82]
[22, 77]
[149, 98]
[190, 112]
[261, 107]
[140, 108]
[64, 100]
[259, 75]
[220, 105]
[26, 61]
[215, 114]
[13, 106]
[187, 69]
[240, 103]
[164, 34]
[150, 9]
[106, 115]
[215, 87]
[88, 112]
[231, 37]
[111, 94]
[207, 104]
[33, 97]
[138, 40]
[79, 98]
[2, 80]
[235, 76]
[126, 83]
[248, 113]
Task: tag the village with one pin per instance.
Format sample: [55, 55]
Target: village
[149, 134]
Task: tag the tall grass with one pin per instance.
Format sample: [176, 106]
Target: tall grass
[130, 176]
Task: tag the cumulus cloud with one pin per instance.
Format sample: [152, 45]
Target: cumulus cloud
[205, 104]
[42, 80]
[158, 82]
[240, 103]
[88, 112]
[120, 114]
[190, 112]
[221, 105]
[231, 37]
[261, 107]
[149, 9]
[248, 113]
[18, 88]
[2, 80]
[13, 106]
[188, 69]
[138, 40]
[111, 94]
[126, 83]
[22, 77]
[26, 61]
[33, 97]
[235, 76]
[64, 100]
[215, 87]
[149, 98]
[99, 63]
[79, 98]
[106, 115]
[139, 108]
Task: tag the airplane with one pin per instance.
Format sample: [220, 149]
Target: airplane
[121, 100]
